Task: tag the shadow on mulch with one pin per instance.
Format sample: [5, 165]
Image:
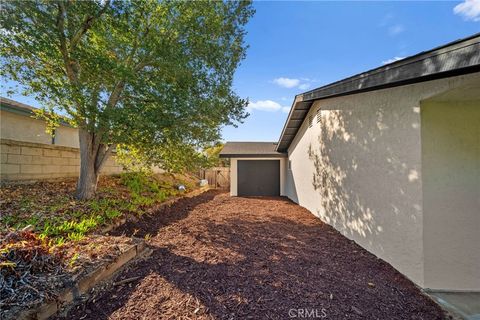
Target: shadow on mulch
[276, 262]
[150, 224]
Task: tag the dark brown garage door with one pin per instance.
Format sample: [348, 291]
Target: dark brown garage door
[258, 177]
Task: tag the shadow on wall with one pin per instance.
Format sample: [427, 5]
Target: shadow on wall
[367, 156]
[366, 169]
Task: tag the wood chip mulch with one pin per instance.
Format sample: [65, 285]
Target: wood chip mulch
[221, 257]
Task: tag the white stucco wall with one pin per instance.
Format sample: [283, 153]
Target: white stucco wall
[359, 169]
[451, 193]
[67, 137]
[27, 129]
[23, 128]
[234, 174]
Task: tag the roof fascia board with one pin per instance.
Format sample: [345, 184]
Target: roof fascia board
[24, 110]
[252, 155]
[16, 110]
[463, 57]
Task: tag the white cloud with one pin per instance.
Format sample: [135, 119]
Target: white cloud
[267, 105]
[286, 82]
[396, 29]
[469, 9]
[302, 83]
[264, 105]
[385, 20]
[304, 86]
[392, 60]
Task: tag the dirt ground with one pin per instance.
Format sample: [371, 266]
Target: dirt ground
[218, 257]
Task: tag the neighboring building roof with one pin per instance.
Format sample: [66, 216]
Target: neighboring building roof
[455, 58]
[250, 150]
[16, 107]
[22, 109]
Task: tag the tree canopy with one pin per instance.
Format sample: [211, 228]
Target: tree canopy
[155, 76]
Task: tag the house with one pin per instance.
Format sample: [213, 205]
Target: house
[389, 157]
[18, 123]
[256, 168]
[29, 153]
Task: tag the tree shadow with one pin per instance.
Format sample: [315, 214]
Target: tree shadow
[151, 224]
[362, 159]
[261, 266]
[364, 172]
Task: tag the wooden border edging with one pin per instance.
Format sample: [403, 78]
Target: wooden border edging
[101, 273]
[84, 284]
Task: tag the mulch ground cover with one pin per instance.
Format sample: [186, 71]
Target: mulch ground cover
[221, 257]
[48, 239]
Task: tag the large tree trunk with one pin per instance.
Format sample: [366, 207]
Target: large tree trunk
[92, 157]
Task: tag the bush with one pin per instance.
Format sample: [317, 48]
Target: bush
[136, 182]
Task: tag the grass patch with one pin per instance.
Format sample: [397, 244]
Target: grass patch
[55, 215]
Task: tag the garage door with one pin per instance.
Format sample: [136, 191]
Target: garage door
[258, 177]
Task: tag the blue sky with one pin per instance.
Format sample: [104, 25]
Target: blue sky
[296, 46]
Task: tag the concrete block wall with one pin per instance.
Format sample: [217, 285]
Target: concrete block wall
[27, 161]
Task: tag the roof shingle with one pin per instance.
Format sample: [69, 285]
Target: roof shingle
[250, 149]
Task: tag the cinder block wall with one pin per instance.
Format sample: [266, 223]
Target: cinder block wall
[27, 161]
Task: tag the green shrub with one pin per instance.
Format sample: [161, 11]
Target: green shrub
[112, 213]
[63, 219]
[136, 182]
[73, 230]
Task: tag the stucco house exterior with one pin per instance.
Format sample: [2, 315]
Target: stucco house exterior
[29, 153]
[390, 158]
[18, 123]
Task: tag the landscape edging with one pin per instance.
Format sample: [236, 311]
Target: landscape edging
[85, 283]
[103, 272]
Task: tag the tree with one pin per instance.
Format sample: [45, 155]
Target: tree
[213, 156]
[151, 75]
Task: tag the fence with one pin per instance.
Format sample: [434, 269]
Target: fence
[218, 177]
[27, 161]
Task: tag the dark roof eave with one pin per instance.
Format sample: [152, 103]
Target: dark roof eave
[253, 155]
[23, 109]
[456, 58]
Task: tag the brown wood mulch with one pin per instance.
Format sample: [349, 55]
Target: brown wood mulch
[221, 257]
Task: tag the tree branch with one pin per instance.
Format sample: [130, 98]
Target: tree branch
[102, 155]
[72, 76]
[86, 25]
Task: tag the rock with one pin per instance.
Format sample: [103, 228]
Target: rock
[357, 311]
[28, 228]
